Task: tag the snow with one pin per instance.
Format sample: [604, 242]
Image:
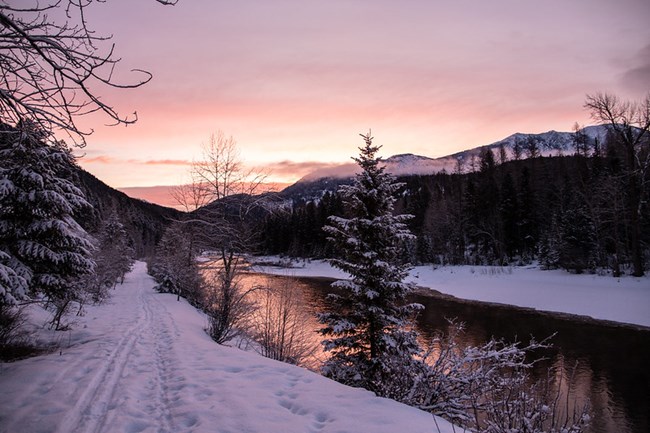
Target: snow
[624, 300]
[143, 363]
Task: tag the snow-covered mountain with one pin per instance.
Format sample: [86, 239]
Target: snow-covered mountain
[399, 165]
[551, 143]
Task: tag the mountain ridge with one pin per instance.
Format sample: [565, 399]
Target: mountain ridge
[144, 221]
[550, 143]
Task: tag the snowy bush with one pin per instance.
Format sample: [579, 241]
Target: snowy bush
[279, 325]
[227, 303]
[488, 388]
[517, 405]
[174, 266]
[12, 319]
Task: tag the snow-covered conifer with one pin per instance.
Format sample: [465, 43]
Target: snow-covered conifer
[174, 266]
[367, 330]
[114, 256]
[42, 248]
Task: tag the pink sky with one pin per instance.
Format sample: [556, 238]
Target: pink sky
[295, 81]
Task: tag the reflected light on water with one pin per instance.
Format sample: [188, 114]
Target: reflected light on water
[584, 356]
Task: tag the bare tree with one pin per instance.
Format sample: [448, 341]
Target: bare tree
[228, 304]
[221, 172]
[228, 195]
[50, 69]
[532, 146]
[628, 123]
[221, 199]
[191, 195]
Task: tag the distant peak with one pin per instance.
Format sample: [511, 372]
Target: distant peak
[404, 157]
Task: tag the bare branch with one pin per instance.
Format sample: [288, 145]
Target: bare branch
[629, 125]
[50, 71]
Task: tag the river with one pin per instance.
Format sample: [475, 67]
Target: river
[605, 363]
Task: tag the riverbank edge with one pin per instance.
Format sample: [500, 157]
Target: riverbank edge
[433, 293]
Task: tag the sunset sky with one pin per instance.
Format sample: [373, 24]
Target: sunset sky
[296, 81]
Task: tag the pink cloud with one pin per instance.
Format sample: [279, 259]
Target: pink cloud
[163, 195]
[298, 83]
[100, 159]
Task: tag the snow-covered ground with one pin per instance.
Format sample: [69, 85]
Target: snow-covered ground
[625, 299]
[143, 363]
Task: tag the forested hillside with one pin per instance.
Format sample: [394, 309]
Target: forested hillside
[144, 222]
[565, 211]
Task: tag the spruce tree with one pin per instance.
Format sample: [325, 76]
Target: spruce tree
[508, 212]
[42, 248]
[366, 330]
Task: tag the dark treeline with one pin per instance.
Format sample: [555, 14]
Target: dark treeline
[565, 211]
[298, 231]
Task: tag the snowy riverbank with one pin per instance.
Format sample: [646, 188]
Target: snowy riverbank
[143, 363]
[624, 300]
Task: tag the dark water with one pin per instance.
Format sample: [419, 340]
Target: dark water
[606, 364]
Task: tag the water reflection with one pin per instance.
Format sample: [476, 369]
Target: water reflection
[312, 354]
[607, 365]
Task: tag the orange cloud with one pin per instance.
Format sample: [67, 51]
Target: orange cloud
[105, 159]
[161, 162]
[295, 170]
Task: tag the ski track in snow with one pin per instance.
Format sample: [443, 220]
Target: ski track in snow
[142, 363]
[90, 410]
[143, 349]
[151, 395]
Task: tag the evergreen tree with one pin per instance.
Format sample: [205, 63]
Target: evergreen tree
[509, 212]
[487, 228]
[366, 330]
[471, 214]
[580, 140]
[578, 240]
[517, 148]
[528, 229]
[174, 267]
[114, 256]
[42, 248]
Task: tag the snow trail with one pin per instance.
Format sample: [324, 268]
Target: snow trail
[95, 376]
[142, 363]
[90, 410]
